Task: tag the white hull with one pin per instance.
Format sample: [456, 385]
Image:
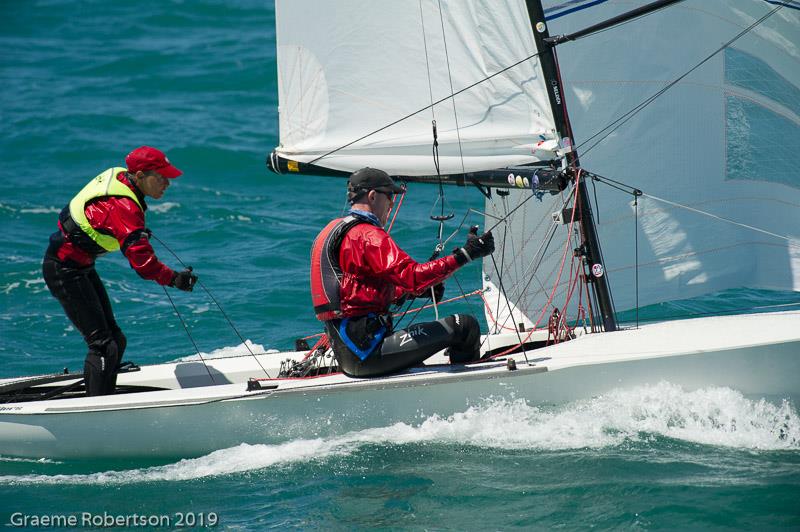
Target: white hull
[756, 354]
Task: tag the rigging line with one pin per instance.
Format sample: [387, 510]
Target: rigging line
[211, 296]
[543, 247]
[487, 215]
[502, 263]
[466, 296]
[442, 245]
[451, 300]
[636, 252]
[601, 178]
[616, 124]
[600, 257]
[596, 204]
[574, 196]
[406, 117]
[621, 189]
[453, 100]
[535, 266]
[427, 64]
[515, 263]
[435, 147]
[551, 207]
[510, 312]
[512, 211]
[698, 211]
[185, 328]
[396, 325]
[414, 317]
[717, 312]
[454, 233]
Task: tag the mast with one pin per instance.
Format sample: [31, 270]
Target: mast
[555, 91]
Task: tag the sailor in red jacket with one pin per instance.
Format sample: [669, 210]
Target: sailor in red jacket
[358, 271]
[108, 215]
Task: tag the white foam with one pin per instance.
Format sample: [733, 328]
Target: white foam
[163, 207]
[714, 416]
[8, 288]
[245, 349]
[28, 460]
[40, 210]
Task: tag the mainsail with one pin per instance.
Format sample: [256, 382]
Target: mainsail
[349, 68]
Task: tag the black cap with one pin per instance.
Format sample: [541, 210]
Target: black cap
[367, 179]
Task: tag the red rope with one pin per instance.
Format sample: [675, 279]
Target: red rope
[439, 303]
[397, 210]
[491, 316]
[558, 277]
[322, 342]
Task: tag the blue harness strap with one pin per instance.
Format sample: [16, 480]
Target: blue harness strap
[361, 353]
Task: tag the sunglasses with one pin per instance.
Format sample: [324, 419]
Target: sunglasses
[389, 195]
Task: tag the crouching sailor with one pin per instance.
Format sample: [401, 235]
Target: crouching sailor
[108, 215]
[358, 271]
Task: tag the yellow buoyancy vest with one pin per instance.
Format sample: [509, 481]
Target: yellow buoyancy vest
[104, 185]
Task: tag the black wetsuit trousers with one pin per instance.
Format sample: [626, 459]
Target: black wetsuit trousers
[86, 303]
[404, 348]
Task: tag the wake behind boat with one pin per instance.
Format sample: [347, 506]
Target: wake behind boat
[481, 90]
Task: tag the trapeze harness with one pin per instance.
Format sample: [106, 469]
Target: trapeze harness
[326, 277]
[366, 346]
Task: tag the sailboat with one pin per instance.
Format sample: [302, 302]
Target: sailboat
[686, 119]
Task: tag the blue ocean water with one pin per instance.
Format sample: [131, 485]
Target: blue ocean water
[82, 83]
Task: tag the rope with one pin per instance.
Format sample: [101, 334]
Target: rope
[555, 285]
[210, 295]
[456, 298]
[717, 312]
[406, 117]
[510, 311]
[453, 100]
[636, 253]
[727, 220]
[185, 328]
[397, 210]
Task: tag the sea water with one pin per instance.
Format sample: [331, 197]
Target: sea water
[81, 84]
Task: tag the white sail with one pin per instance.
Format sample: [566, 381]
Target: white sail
[725, 140]
[348, 68]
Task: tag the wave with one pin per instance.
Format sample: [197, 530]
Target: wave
[711, 416]
[165, 206]
[40, 210]
[248, 348]
[28, 460]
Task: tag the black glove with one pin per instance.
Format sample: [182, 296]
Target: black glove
[476, 246]
[184, 280]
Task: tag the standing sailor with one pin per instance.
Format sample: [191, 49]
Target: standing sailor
[108, 215]
[358, 271]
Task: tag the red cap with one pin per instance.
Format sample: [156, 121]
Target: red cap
[146, 158]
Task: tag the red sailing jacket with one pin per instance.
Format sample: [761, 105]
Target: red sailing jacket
[375, 271]
[120, 217]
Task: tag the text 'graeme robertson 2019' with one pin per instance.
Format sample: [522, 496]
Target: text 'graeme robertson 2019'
[107, 520]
